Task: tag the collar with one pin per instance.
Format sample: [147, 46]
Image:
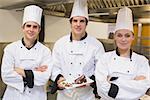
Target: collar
[82, 38]
[117, 52]
[30, 47]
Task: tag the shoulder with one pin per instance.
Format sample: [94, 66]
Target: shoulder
[61, 41]
[139, 57]
[92, 40]
[107, 56]
[13, 45]
[42, 46]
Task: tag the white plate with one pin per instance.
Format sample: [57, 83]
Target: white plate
[82, 84]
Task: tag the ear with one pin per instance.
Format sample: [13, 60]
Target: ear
[114, 35]
[133, 36]
[22, 27]
[39, 28]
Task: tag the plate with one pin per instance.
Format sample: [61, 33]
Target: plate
[82, 84]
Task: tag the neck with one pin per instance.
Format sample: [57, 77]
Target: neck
[28, 43]
[77, 36]
[124, 53]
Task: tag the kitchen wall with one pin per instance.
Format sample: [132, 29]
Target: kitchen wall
[55, 27]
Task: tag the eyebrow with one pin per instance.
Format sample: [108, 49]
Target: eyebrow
[29, 25]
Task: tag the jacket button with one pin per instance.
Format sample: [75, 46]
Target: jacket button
[69, 73]
[84, 42]
[71, 51]
[80, 63]
[71, 63]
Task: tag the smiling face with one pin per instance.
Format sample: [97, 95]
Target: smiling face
[124, 39]
[31, 31]
[78, 25]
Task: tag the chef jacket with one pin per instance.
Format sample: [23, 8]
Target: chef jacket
[74, 58]
[17, 55]
[122, 71]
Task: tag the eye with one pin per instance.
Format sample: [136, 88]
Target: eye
[35, 26]
[74, 20]
[28, 25]
[119, 35]
[127, 35]
[82, 21]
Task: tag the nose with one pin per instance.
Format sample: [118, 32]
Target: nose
[78, 23]
[31, 28]
[123, 38]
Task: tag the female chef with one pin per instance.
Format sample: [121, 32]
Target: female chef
[122, 74]
[75, 55]
[26, 64]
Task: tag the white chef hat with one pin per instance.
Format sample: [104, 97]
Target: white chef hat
[124, 19]
[80, 9]
[32, 13]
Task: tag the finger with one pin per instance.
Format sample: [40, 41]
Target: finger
[44, 66]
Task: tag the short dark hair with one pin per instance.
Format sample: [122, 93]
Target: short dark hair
[85, 20]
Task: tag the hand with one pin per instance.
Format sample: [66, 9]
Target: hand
[20, 71]
[41, 68]
[60, 81]
[108, 78]
[140, 77]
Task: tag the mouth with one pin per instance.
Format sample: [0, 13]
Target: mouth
[31, 34]
[78, 29]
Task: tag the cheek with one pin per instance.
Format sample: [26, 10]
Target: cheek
[117, 39]
[131, 40]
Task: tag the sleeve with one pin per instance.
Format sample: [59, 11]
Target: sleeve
[41, 78]
[99, 51]
[29, 79]
[56, 62]
[55, 85]
[104, 88]
[134, 89]
[122, 88]
[9, 76]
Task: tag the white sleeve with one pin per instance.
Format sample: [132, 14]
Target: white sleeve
[127, 89]
[101, 74]
[9, 76]
[41, 78]
[132, 88]
[57, 59]
[100, 51]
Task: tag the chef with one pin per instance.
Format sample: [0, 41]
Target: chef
[122, 74]
[26, 64]
[75, 55]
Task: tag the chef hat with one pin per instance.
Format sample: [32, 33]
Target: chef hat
[32, 13]
[124, 19]
[80, 9]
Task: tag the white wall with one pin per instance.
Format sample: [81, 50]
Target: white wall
[98, 30]
[10, 26]
[55, 27]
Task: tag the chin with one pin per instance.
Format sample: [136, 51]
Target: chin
[123, 48]
[78, 33]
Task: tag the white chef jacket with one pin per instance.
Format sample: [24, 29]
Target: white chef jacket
[126, 69]
[73, 59]
[17, 55]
